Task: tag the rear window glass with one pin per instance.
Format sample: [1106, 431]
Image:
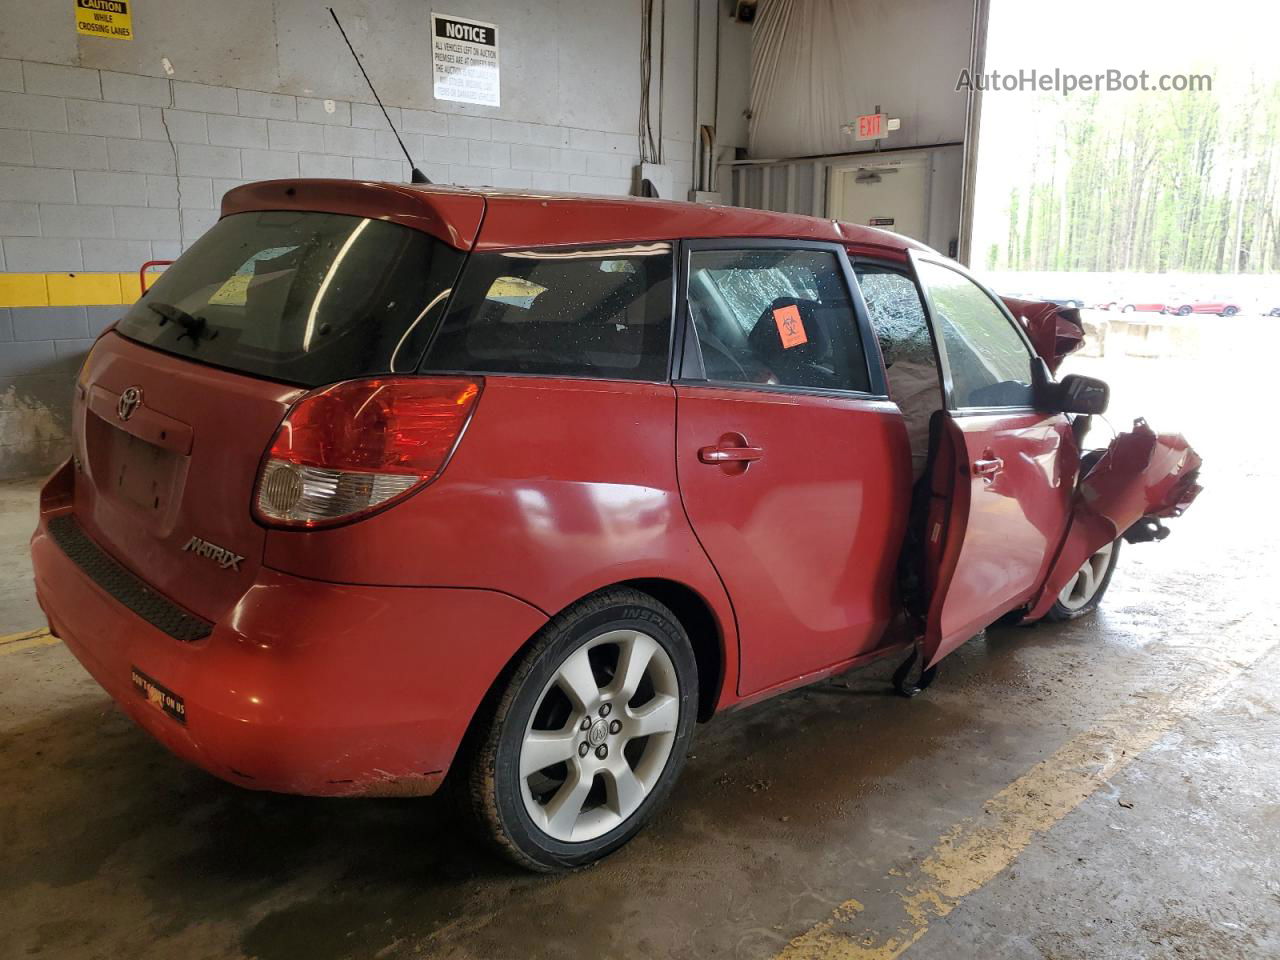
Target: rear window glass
[601, 312]
[304, 297]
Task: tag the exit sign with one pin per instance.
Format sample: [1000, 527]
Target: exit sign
[871, 126]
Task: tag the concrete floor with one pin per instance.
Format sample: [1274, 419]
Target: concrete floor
[1107, 788]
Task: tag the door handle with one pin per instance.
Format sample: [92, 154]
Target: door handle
[720, 454]
[987, 467]
[731, 452]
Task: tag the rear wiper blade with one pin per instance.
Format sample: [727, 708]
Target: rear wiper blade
[167, 312]
[192, 326]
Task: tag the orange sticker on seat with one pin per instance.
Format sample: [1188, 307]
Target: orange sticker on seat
[790, 327]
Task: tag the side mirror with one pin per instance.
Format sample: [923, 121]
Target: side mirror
[1078, 394]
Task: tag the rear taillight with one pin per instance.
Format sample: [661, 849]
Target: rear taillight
[360, 445]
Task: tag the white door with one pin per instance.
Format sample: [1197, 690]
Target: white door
[893, 194]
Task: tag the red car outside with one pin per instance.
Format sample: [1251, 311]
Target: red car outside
[1218, 307]
[380, 483]
[1146, 307]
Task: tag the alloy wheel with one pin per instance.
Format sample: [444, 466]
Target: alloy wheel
[1082, 587]
[600, 736]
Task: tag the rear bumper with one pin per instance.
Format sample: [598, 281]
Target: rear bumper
[304, 687]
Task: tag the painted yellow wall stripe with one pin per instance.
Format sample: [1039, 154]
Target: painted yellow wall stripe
[67, 289]
[86, 289]
[23, 290]
[978, 849]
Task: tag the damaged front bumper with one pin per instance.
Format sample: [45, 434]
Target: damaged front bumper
[1142, 478]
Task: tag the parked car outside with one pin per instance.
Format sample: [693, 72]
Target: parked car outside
[1143, 306]
[379, 485]
[1184, 308]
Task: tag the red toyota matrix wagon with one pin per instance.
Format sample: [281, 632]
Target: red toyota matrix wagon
[383, 483]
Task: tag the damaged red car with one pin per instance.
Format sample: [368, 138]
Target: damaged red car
[382, 487]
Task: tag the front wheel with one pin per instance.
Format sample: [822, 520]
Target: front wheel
[1230, 311]
[1183, 311]
[589, 734]
[1084, 590]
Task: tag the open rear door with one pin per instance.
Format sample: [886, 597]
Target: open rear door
[1002, 473]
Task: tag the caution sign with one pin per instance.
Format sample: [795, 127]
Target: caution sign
[104, 18]
[464, 60]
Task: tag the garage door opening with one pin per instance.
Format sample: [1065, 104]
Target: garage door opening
[1129, 167]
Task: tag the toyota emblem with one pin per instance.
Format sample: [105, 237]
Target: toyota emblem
[598, 733]
[130, 400]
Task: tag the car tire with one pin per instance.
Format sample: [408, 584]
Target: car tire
[1183, 310]
[1230, 311]
[575, 686]
[1128, 308]
[1081, 596]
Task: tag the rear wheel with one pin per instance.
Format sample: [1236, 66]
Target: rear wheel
[589, 734]
[1230, 311]
[1085, 589]
[1128, 308]
[1183, 310]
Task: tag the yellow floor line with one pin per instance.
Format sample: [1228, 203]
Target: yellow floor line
[16, 642]
[977, 850]
[24, 635]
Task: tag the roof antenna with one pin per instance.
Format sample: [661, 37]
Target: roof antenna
[417, 176]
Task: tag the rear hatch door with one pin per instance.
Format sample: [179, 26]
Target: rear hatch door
[175, 409]
[170, 451]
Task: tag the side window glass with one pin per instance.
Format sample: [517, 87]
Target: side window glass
[775, 317]
[897, 315]
[989, 362]
[898, 318]
[603, 313]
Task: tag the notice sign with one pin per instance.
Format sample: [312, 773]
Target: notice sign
[104, 18]
[464, 59]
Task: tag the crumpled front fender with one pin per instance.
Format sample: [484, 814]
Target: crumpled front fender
[1142, 474]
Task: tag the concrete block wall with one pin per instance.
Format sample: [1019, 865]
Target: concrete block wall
[101, 171]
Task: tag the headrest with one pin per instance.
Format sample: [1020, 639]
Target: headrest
[778, 326]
